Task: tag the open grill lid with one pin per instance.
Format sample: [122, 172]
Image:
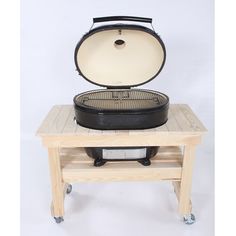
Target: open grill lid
[120, 55]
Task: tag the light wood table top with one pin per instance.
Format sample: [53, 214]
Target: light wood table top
[59, 125]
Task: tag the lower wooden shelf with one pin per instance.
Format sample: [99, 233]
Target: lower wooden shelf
[77, 167]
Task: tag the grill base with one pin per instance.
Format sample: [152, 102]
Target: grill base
[100, 157]
[152, 111]
[124, 121]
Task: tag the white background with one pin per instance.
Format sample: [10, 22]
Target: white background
[49, 33]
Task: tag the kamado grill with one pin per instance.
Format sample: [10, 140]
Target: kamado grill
[118, 57]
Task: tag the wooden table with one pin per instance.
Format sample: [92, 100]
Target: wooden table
[69, 163]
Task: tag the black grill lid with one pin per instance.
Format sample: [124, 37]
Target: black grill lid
[120, 55]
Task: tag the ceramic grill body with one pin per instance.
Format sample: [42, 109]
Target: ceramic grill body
[120, 57]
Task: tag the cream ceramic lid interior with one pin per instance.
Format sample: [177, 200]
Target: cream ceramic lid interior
[125, 57]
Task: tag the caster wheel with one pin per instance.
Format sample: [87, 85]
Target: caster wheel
[145, 162]
[189, 219]
[69, 189]
[99, 162]
[59, 219]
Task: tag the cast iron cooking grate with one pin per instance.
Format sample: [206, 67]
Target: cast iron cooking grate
[121, 99]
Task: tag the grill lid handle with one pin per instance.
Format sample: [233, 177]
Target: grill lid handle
[122, 18]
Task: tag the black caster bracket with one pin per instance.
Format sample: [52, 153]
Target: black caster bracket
[145, 162]
[189, 219]
[99, 162]
[69, 189]
[59, 219]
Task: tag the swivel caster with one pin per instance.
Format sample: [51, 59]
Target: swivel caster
[69, 189]
[59, 219]
[189, 219]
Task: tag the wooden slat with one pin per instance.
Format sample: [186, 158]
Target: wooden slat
[59, 122]
[121, 132]
[195, 123]
[143, 132]
[48, 121]
[155, 139]
[180, 118]
[80, 130]
[131, 171]
[162, 128]
[83, 158]
[95, 132]
[172, 124]
[70, 155]
[169, 150]
[164, 151]
[70, 125]
[109, 132]
[65, 161]
[72, 151]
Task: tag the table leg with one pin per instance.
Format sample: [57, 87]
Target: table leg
[56, 182]
[184, 186]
